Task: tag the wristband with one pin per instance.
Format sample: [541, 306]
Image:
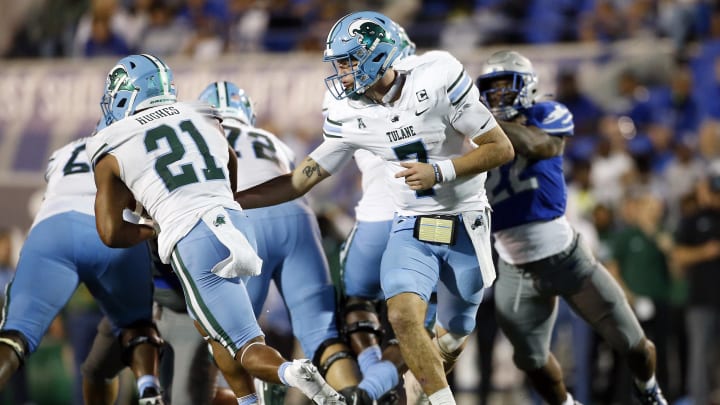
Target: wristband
[447, 170]
[438, 175]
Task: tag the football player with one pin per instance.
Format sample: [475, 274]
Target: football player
[541, 256]
[421, 115]
[64, 249]
[173, 158]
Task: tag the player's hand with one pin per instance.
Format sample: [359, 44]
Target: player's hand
[418, 176]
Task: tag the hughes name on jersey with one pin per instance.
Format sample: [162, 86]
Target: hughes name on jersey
[163, 149]
[435, 118]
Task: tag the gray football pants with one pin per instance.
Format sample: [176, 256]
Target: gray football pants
[526, 303]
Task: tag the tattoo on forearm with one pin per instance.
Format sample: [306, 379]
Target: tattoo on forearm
[311, 169]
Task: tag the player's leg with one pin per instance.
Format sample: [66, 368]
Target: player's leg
[223, 309]
[102, 366]
[409, 274]
[527, 317]
[360, 260]
[601, 302]
[30, 306]
[288, 241]
[122, 284]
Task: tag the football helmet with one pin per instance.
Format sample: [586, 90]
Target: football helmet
[135, 83]
[406, 45]
[230, 100]
[362, 45]
[507, 84]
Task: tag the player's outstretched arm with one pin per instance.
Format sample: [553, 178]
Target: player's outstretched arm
[531, 141]
[111, 199]
[494, 149]
[283, 188]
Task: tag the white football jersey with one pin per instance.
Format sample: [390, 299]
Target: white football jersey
[373, 205]
[436, 117]
[174, 160]
[70, 182]
[261, 155]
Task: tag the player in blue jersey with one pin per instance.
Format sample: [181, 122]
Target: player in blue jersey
[541, 256]
[64, 249]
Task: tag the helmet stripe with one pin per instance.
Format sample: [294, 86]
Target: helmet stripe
[162, 71]
[222, 93]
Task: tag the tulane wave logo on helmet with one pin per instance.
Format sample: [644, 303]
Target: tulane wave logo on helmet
[119, 79]
[369, 33]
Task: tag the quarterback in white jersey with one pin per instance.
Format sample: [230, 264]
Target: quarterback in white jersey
[62, 250]
[173, 158]
[423, 117]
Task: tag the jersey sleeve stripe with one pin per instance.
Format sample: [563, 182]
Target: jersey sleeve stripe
[332, 128]
[457, 93]
[101, 151]
[457, 80]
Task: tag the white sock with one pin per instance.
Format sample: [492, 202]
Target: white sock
[569, 400]
[442, 397]
[646, 385]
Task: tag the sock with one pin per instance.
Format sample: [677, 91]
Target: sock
[281, 372]
[442, 397]
[646, 385]
[147, 381]
[248, 400]
[368, 357]
[380, 378]
[569, 400]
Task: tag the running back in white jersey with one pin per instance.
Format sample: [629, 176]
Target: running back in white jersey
[166, 149]
[261, 155]
[435, 118]
[70, 182]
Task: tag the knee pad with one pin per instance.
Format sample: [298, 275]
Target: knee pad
[324, 366]
[17, 342]
[367, 323]
[137, 334]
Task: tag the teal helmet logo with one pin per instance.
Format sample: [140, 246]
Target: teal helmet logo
[118, 79]
[369, 33]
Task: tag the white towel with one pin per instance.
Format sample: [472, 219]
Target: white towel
[243, 260]
[477, 225]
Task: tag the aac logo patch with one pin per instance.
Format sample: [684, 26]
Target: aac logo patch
[220, 220]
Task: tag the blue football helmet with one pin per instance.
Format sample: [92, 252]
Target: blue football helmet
[507, 84]
[137, 82]
[363, 44]
[230, 101]
[407, 46]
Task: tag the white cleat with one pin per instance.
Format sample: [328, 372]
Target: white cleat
[306, 377]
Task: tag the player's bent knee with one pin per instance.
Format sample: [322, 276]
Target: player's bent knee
[324, 361]
[17, 342]
[361, 317]
[136, 334]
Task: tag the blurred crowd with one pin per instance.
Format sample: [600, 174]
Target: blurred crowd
[208, 28]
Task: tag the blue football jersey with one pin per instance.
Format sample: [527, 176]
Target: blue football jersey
[524, 190]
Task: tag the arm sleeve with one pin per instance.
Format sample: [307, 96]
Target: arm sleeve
[332, 154]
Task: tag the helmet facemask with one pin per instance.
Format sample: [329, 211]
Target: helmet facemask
[363, 45]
